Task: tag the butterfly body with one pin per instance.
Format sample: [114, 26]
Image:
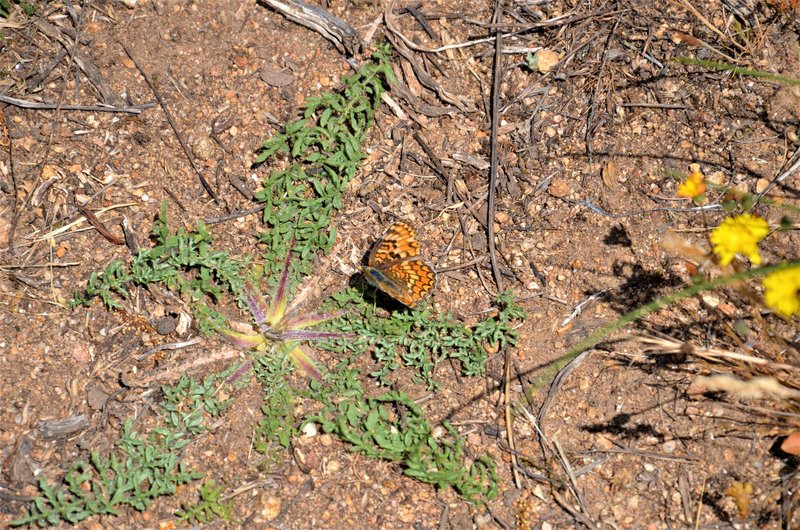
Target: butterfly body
[394, 266]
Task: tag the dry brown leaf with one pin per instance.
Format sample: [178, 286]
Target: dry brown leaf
[679, 37]
[274, 76]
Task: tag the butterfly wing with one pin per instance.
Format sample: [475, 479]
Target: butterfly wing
[398, 243]
[408, 281]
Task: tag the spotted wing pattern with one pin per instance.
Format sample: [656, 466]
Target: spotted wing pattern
[398, 243]
[394, 266]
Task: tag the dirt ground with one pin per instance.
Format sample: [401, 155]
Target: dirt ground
[586, 195]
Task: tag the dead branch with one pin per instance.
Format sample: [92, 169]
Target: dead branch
[341, 34]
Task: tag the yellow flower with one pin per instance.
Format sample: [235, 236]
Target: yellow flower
[739, 235]
[694, 185]
[782, 291]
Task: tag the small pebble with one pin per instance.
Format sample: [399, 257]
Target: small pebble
[310, 430]
[203, 148]
[710, 301]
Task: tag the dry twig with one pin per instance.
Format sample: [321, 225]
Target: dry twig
[136, 109]
[172, 124]
[510, 421]
[341, 34]
[497, 75]
[401, 47]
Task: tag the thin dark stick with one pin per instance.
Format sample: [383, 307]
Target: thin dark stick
[172, 124]
[656, 106]
[137, 109]
[18, 213]
[470, 263]
[232, 215]
[437, 165]
[35, 81]
[100, 227]
[218, 127]
[422, 21]
[498, 58]
[590, 115]
[6, 142]
[240, 186]
[175, 198]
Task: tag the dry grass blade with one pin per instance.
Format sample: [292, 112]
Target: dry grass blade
[666, 346]
[170, 346]
[689, 7]
[55, 233]
[135, 109]
[510, 421]
[572, 480]
[700, 43]
[755, 388]
[558, 381]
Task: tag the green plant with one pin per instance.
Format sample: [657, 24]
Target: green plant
[421, 340]
[392, 427]
[148, 468]
[278, 327]
[106, 285]
[184, 262]
[278, 423]
[275, 342]
[322, 153]
[186, 403]
[5, 8]
[725, 67]
[210, 508]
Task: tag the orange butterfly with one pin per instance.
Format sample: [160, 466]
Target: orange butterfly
[394, 266]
